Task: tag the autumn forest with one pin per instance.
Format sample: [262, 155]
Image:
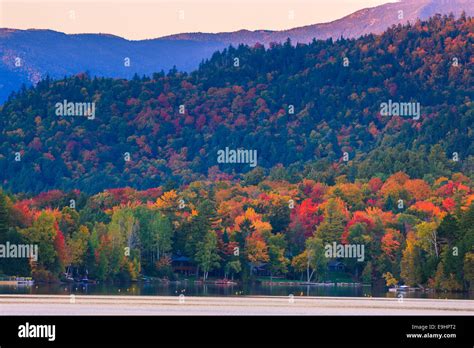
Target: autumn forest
[138, 190]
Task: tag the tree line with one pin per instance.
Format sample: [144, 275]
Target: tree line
[413, 232]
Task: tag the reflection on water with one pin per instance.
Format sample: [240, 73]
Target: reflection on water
[192, 289]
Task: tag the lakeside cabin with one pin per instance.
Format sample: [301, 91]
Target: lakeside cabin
[183, 265]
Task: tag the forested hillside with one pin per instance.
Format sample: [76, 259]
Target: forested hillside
[136, 182]
[311, 111]
[43, 52]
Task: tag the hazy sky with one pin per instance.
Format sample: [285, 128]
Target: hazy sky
[145, 19]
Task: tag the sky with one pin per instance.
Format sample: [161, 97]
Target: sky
[147, 19]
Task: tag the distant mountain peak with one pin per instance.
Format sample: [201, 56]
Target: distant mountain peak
[365, 21]
[48, 52]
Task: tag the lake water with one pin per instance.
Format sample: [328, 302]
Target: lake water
[193, 289]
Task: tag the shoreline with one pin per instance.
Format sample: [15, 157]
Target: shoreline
[64, 305]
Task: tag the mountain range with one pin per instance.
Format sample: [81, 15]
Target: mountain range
[27, 56]
[373, 20]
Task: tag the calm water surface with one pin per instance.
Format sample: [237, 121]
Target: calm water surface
[191, 289]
